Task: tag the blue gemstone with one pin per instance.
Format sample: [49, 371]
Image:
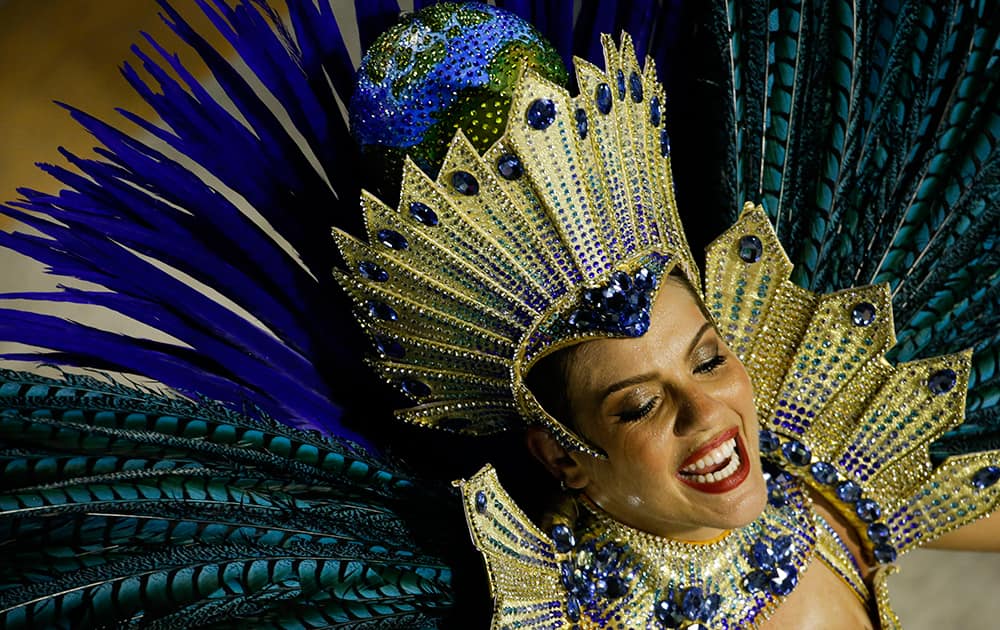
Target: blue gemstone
[942, 381]
[664, 143]
[581, 122]
[509, 166]
[481, 502]
[371, 271]
[382, 311]
[635, 324]
[669, 614]
[464, 183]
[541, 113]
[986, 477]
[863, 314]
[824, 473]
[878, 533]
[616, 587]
[423, 214]
[643, 279]
[635, 86]
[761, 556]
[884, 554]
[710, 607]
[796, 452]
[783, 547]
[389, 347]
[868, 510]
[415, 388]
[572, 608]
[784, 580]
[562, 537]
[654, 111]
[848, 492]
[602, 96]
[392, 239]
[691, 602]
[750, 249]
[769, 441]
[756, 581]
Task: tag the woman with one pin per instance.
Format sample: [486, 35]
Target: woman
[559, 230]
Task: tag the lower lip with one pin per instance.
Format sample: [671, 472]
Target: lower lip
[730, 482]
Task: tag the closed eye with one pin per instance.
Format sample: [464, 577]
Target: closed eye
[637, 414]
[711, 365]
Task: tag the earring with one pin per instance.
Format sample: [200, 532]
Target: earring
[562, 485]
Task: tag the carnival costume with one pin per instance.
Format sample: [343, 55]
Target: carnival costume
[523, 220]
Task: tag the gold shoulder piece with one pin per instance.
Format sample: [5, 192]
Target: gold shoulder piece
[835, 412]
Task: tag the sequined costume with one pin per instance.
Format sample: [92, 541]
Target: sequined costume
[507, 217]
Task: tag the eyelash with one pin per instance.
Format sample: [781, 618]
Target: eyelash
[705, 368]
[711, 365]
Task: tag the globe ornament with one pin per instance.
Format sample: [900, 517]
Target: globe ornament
[444, 68]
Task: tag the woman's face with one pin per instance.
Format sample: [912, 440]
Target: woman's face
[673, 410]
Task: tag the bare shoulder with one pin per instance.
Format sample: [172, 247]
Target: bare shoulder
[821, 601]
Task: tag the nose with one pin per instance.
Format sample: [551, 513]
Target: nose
[698, 409]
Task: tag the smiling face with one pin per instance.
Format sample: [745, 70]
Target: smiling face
[673, 410]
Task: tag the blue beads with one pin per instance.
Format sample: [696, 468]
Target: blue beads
[848, 491]
[562, 538]
[389, 347]
[465, 183]
[769, 441]
[422, 213]
[509, 166]
[602, 96]
[750, 249]
[784, 580]
[878, 533]
[797, 453]
[371, 271]
[691, 602]
[581, 122]
[392, 239]
[621, 307]
[635, 86]
[942, 381]
[664, 143]
[863, 314]
[415, 388]
[541, 113]
[620, 83]
[761, 556]
[868, 510]
[884, 554]
[824, 473]
[986, 477]
[481, 502]
[688, 608]
[382, 311]
[655, 113]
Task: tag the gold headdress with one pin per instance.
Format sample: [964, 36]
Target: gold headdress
[558, 233]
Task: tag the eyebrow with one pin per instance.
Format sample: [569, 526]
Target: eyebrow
[640, 378]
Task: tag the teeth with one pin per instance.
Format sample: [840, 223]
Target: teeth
[718, 455]
[730, 468]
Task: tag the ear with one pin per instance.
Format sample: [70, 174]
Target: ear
[562, 464]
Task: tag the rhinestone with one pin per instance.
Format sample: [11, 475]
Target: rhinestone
[824, 473]
[510, 167]
[769, 441]
[878, 533]
[884, 554]
[750, 249]
[389, 347]
[572, 608]
[654, 111]
[784, 580]
[382, 311]
[481, 502]
[756, 581]
[415, 388]
[541, 113]
[848, 491]
[635, 86]
[581, 122]
[616, 587]
[863, 314]
[371, 271]
[668, 613]
[422, 213]
[464, 183]
[392, 239]
[602, 96]
[691, 602]
[563, 538]
[620, 83]
[986, 477]
[867, 510]
[761, 556]
[664, 143]
[710, 607]
[796, 452]
[942, 381]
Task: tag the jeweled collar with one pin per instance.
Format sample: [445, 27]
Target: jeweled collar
[601, 573]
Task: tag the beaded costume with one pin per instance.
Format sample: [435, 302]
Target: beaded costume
[509, 217]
